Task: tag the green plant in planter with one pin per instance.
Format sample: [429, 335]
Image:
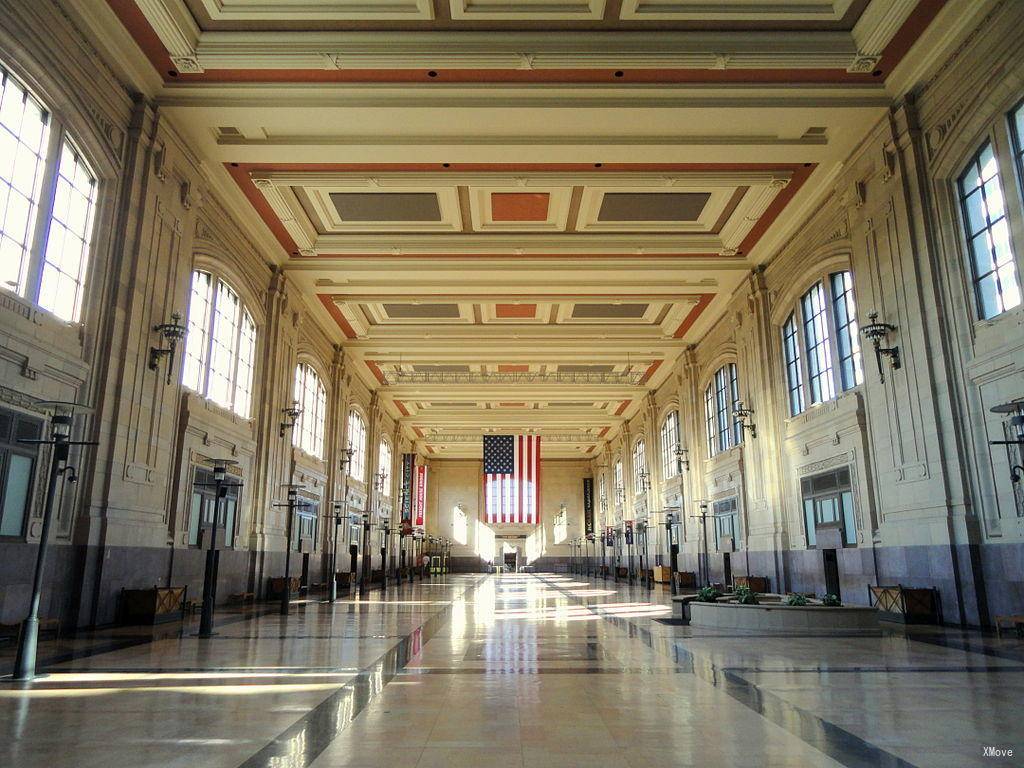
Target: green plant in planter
[708, 595]
[746, 596]
[795, 599]
[831, 600]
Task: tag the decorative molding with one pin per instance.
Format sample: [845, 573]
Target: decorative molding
[511, 50]
[840, 459]
[878, 24]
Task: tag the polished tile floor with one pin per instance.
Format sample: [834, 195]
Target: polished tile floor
[513, 670]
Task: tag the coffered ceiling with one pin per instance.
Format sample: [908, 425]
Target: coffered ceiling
[517, 214]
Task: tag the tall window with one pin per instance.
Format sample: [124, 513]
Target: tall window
[357, 442]
[47, 202]
[384, 460]
[794, 377]
[603, 494]
[618, 480]
[844, 314]
[220, 346]
[820, 343]
[720, 397]
[639, 466]
[817, 344]
[310, 394]
[994, 271]
[17, 470]
[669, 443]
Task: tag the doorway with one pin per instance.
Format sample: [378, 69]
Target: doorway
[831, 563]
[727, 568]
[304, 583]
[510, 560]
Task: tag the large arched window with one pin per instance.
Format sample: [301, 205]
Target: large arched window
[720, 397]
[384, 461]
[820, 343]
[357, 442]
[669, 445]
[311, 396]
[987, 228]
[639, 467]
[47, 203]
[220, 346]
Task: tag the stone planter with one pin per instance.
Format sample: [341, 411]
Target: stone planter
[784, 619]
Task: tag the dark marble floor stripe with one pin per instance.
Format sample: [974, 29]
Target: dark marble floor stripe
[301, 743]
[841, 745]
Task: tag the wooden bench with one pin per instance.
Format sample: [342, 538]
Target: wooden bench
[241, 598]
[756, 583]
[910, 605]
[152, 606]
[1013, 620]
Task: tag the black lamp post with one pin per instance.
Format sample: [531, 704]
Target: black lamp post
[346, 460]
[702, 557]
[61, 418]
[367, 570]
[291, 504]
[673, 548]
[220, 487]
[290, 417]
[1015, 410]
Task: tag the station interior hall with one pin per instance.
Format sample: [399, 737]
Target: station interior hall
[521, 383]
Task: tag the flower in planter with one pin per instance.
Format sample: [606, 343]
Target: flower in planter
[746, 596]
[708, 595]
[831, 600]
[795, 599]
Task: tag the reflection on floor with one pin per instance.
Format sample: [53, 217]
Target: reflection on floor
[513, 670]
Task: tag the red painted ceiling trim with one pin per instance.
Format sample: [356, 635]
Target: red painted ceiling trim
[377, 372]
[401, 407]
[139, 28]
[702, 304]
[622, 407]
[339, 318]
[651, 369]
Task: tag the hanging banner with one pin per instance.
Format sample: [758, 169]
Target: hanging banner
[609, 536]
[420, 512]
[588, 506]
[629, 531]
[408, 468]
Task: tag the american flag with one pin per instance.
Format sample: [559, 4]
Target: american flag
[512, 478]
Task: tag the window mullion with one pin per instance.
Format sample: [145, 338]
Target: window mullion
[41, 229]
[833, 335]
[240, 317]
[804, 363]
[211, 325]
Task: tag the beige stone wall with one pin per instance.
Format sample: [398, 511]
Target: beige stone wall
[932, 495]
[454, 482]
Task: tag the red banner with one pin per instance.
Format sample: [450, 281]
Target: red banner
[420, 513]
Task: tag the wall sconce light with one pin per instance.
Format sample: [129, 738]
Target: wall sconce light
[1015, 410]
[744, 416]
[682, 458]
[172, 333]
[291, 415]
[620, 495]
[645, 481]
[875, 332]
[382, 477]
